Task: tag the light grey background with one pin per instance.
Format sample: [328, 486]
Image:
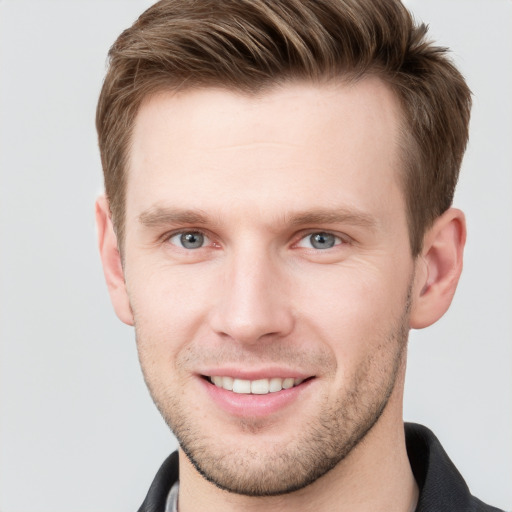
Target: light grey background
[78, 431]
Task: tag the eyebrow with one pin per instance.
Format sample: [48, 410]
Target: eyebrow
[159, 216]
[335, 216]
[164, 216]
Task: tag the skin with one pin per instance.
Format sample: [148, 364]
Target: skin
[257, 176]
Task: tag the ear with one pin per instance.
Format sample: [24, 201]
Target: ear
[111, 260]
[438, 268]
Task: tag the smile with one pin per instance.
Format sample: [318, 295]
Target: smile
[254, 387]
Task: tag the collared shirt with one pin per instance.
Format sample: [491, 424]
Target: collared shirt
[441, 486]
[171, 504]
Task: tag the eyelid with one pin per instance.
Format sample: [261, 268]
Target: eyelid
[166, 238]
[343, 239]
[211, 241]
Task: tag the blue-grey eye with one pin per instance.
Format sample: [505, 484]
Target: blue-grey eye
[189, 240]
[320, 240]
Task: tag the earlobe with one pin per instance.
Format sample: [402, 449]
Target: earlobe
[438, 268]
[111, 260]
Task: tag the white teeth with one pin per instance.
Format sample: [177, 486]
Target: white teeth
[259, 387]
[255, 387]
[217, 381]
[287, 383]
[276, 384]
[241, 386]
[227, 383]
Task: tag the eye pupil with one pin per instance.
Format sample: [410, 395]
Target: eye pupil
[322, 240]
[192, 240]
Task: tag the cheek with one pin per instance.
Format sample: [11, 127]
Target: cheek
[169, 304]
[353, 310]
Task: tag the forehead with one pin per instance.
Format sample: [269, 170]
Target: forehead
[295, 146]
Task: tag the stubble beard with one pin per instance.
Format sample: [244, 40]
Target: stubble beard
[324, 442]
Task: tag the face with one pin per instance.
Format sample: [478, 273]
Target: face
[268, 269]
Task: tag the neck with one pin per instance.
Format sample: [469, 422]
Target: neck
[376, 476]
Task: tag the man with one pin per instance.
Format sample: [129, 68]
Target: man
[279, 178]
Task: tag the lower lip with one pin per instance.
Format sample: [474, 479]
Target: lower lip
[247, 405]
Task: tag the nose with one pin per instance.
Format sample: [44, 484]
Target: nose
[253, 301]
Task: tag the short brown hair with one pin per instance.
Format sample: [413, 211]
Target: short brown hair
[248, 45]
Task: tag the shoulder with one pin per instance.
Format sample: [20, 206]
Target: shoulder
[442, 487]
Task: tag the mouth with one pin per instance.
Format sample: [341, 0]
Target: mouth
[256, 394]
[255, 387]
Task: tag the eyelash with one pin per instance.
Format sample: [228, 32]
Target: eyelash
[168, 237]
[338, 240]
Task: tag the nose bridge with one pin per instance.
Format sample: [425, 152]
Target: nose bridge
[252, 302]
